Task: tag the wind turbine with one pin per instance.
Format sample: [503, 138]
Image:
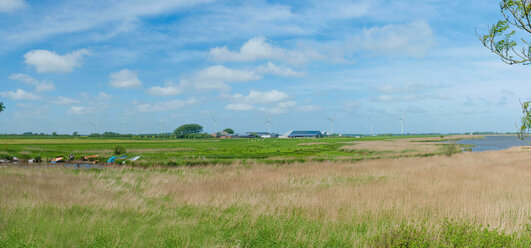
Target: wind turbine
[402, 118]
[215, 124]
[161, 126]
[331, 119]
[370, 124]
[123, 124]
[94, 124]
[268, 122]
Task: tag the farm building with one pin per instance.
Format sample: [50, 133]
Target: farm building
[305, 134]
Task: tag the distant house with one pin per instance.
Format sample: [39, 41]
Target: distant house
[222, 135]
[264, 135]
[305, 134]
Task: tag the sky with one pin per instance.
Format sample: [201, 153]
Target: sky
[149, 66]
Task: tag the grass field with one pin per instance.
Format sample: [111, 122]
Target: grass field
[467, 200]
[209, 151]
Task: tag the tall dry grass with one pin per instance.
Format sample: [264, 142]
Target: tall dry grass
[490, 188]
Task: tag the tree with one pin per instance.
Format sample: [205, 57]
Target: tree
[501, 40]
[2, 107]
[228, 130]
[525, 127]
[188, 129]
[501, 37]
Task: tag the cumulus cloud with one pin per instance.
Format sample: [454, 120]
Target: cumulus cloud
[413, 39]
[309, 108]
[165, 106]
[19, 95]
[39, 86]
[81, 110]
[352, 105]
[11, 5]
[124, 79]
[261, 97]
[102, 96]
[239, 107]
[61, 100]
[408, 88]
[169, 89]
[259, 48]
[287, 104]
[280, 108]
[283, 71]
[217, 77]
[49, 61]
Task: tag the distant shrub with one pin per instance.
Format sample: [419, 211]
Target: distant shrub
[451, 149]
[119, 150]
[37, 159]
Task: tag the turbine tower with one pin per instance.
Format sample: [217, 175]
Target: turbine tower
[268, 122]
[331, 119]
[370, 124]
[161, 126]
[123, 124]
[215, 124]
[402, 118]
[94, 124]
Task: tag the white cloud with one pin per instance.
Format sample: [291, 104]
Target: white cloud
[39, 86]
[49, 61]
[287, 104]
[217, 77]
[352, 105]
[169, 89]
[309, 108]
[271, 68]
[11, 5]
[261, 97]
[102, 96]
[239, 107]
[124, 79]
[19, 95]
[114, 15]
[413, 39]
[81, 110]
[61, 100]
[408, 88]
[165, 106]
[258, 48]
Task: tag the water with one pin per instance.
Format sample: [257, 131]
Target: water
[492, 143]
[74, 166]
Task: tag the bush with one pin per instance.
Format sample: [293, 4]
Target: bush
[451, 149]
[119, 150]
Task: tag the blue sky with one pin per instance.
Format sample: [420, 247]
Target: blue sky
[127, 65]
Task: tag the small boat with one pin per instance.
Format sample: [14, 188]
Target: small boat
[57, 160]
[111, 159]
[123, 157]
[91, 156]
[134, 158]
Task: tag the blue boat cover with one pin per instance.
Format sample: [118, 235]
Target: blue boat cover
[111, 159]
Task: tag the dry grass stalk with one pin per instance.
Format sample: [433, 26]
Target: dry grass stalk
[491, 188]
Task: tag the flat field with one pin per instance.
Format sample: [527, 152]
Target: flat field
[466, 200]
[173, 152]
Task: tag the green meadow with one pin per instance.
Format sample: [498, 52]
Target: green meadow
[193, 152]
[265, 193]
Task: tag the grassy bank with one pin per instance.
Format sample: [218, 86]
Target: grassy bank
[468, 200]
[206, 152]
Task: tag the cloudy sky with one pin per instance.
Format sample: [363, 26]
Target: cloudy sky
[127, 65]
